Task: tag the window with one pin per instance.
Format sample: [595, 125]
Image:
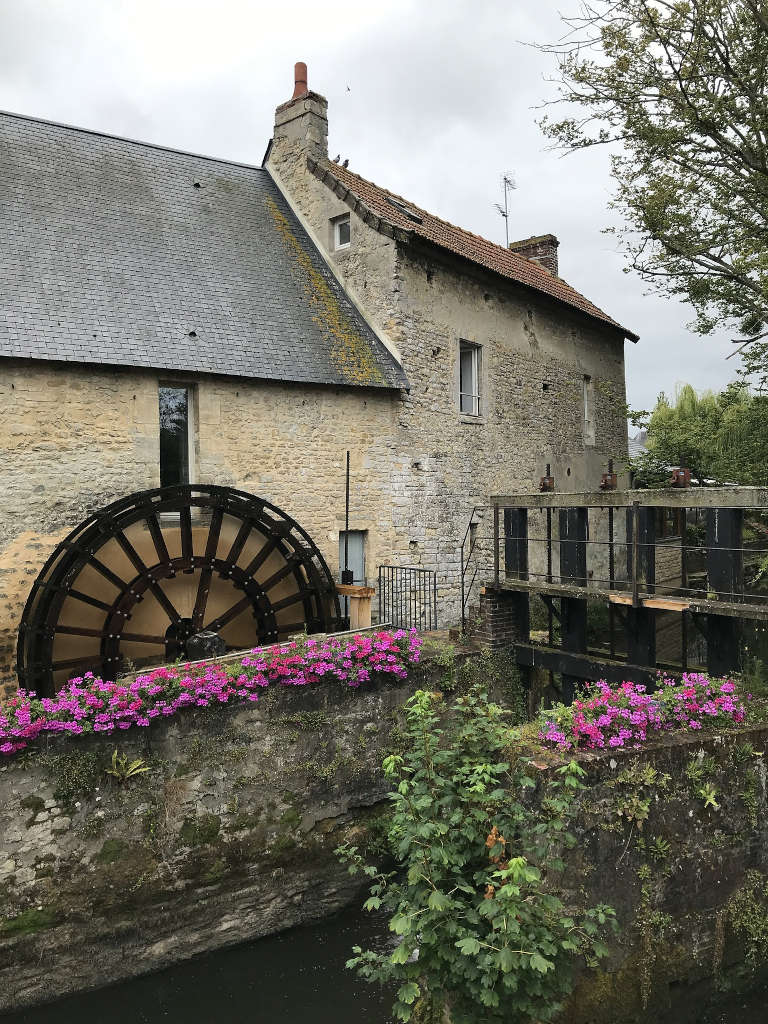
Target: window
[174, 435]
[341, 232]
[589, 411]
[469, 378]
[355, 554]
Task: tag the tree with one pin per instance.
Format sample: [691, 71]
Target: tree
[681, 88]
[685, 432]
[720, 437]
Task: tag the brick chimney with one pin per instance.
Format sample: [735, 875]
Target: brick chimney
[541, 249]
[302, 122]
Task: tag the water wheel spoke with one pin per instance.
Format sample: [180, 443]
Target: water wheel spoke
[143, 638]
[204, 586]
[155, 532]
[185, 527]
[78, 595]
[279, 575]
[229, 614]
[107, 573]
[256, 563]
[287, 601]
[239, 542]
[81, 662]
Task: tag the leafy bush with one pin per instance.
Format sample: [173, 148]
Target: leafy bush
[484, 930]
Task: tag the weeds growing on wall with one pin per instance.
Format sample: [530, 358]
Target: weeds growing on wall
[484, 930]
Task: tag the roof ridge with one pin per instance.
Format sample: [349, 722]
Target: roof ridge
[456, 227]
[489, 254]
[127, 138]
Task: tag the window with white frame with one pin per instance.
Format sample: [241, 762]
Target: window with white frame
[469, 378]
[589, 410]
[342, 232]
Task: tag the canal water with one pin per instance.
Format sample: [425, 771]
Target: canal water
[298, 975]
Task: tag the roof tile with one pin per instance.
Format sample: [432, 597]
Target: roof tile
[393, 209]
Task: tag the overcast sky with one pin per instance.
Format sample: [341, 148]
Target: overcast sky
[433, 100]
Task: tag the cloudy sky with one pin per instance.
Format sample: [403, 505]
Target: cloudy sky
[436, 101]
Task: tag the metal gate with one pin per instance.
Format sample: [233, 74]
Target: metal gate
[408, 596]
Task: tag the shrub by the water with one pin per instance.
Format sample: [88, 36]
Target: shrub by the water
[484, 929]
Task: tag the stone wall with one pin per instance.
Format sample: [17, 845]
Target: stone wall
[75, 438]
[229, 836]
[675, 838]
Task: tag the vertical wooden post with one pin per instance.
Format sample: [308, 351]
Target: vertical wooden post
[641, 569]
[516, 566]
[725, 574]
[573, 570]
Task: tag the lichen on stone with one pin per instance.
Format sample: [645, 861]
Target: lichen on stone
[350, 352]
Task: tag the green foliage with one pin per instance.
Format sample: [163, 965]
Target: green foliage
[74, 775]
[28, 922]
[748, 915]
[699, 769]
[708, 794]
[483, 927]
[122, 769]
[636, 787]
[683, 89]
[720, 437]
[200, 830]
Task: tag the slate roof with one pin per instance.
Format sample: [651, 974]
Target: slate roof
[389, 207]
[123, 253]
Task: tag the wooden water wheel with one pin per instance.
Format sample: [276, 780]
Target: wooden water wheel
[137, 580]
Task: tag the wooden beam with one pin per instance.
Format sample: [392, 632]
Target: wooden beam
[701, 606]
[668, 497]
[583, 666]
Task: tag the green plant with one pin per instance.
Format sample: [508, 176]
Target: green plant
[708, 794]
[484, 929]
[700, 768]
[122, 769]
[659, 848]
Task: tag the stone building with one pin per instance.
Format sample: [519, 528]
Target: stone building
[169, 318]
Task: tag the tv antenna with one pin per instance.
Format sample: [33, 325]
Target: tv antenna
[509, 185]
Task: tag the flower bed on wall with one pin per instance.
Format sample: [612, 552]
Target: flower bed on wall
[92, 705]
[627, 716]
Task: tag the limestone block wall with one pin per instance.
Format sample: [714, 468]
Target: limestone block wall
[229, 836]
[534, 360]
[76, 438]
[71, 440]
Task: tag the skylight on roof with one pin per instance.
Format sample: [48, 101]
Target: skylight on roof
[404, 209]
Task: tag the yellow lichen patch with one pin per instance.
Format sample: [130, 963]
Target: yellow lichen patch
[350, 352]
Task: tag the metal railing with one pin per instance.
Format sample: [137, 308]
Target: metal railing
[408, 596]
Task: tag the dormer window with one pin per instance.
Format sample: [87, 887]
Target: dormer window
[341, 232]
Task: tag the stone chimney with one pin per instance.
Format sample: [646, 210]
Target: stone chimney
[541, 249]
[301, 124]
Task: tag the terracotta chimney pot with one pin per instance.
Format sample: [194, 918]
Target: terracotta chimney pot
[299, 81]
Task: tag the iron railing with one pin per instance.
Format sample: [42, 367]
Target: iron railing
[408, 596]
